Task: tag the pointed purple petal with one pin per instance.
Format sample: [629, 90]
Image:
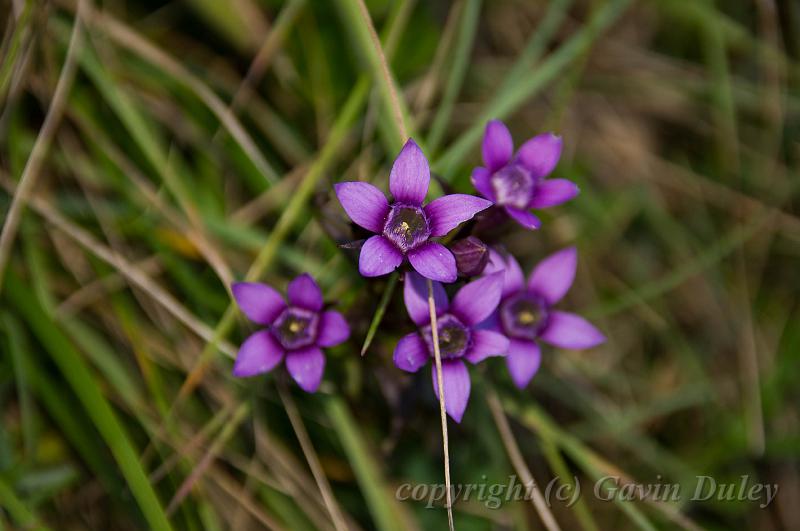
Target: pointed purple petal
[378, 257]
[261, 304]
[333, 329]
[258, 354]
[411, 353]
[524, 218]
[415, 294]
[514, 280]
[455, 378]
[490, 323]
[486, 343]
[305, 293]
[482, 183]
[306, 367]
[567, 330]
[410, 175]
[540, 154]
[434, 261]
[496, 263]
[365, 204]
[553, 276]
[523, 360]
[449, 211]
[552, 192]
[497, 145]
[477, 300]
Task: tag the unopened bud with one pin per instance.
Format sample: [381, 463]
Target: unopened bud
[471, 254]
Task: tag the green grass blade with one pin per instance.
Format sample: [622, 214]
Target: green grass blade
[528, 86]
[380, 501]
[97, 407]
[466, 37]
[380, 311]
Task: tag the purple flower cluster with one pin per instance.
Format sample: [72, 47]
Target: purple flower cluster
[498, 312]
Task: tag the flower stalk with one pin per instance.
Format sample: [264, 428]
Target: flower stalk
[442, 412]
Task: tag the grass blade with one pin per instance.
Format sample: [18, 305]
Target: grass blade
[83, 384]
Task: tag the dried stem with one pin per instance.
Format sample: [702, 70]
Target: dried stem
[30, 174]
[518, 462]
[442, 411]
[312, 459]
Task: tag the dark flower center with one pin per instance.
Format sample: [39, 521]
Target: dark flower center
[513, 186]
[454, 337]
[523, 316]
[296, 328]
[406, 226]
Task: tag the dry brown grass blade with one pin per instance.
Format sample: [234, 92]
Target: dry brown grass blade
[208, 458]
[128, 270]
[133, 41]
[262, 60]
[311, 458]
[101, 287]
[44, 140]
[512, 449]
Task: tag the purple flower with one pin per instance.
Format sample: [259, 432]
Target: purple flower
[526, 315]
[517, 181]
[295, 331]
[404, 228]
[459, 337]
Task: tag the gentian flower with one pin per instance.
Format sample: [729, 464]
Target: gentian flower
[517, 182]
[526, 315]
[459, 337]
[404, 227]
[294, 331]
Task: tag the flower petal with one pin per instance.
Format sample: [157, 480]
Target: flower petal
[415, 294]
[306, 367]
[496, 263]
[490, 323]
[523, 360]
[305, 293]
[410, 175]
[486, 343]
[333, 329]
[497, 146]
[411, 353]
[552, 192]
[434, 261]
[365, 204]
[478, 299]
[540, 154]
[567, 330]
[553, 276]
[378, 257]
[524, 218]
[513, 279]
[261, 304]
[449, 211]
[455, 379]
[481, 180]
[258, 354]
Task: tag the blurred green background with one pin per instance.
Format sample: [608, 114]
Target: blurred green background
[155, 151]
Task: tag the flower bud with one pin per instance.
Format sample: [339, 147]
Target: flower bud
[471, 254]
